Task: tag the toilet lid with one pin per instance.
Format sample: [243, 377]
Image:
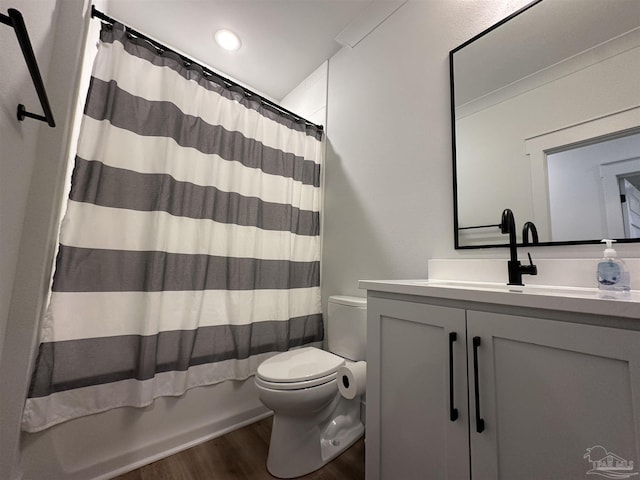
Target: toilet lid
[302, 364]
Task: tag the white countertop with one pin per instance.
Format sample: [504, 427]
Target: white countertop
[563, 299]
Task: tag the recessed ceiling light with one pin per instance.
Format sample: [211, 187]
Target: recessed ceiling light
[227, 40]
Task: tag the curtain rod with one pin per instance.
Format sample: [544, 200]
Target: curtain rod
[95, 13]
[15, 20]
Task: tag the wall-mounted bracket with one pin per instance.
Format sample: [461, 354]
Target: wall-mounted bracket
[15, 20]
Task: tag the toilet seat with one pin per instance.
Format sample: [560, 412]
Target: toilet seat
[295, 385]
[297, 369]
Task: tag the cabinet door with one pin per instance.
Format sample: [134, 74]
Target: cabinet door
[556, 398]
[410, 431]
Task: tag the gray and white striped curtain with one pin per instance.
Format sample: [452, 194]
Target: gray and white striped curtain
[189, 251]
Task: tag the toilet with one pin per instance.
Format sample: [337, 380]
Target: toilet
[313, 422]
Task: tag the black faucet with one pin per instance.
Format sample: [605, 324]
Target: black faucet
[515, 269]
[529, 227]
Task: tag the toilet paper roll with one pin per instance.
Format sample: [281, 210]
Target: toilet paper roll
[352, 379]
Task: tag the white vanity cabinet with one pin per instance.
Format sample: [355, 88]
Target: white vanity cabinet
[546, 392]
[409, 433]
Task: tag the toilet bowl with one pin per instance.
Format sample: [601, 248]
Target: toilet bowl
[312, 422]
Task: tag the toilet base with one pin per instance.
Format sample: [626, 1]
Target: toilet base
[301, 445]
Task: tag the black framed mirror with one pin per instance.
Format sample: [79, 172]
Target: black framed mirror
[545, 110]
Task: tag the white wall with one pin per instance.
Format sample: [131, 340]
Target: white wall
[309, 99]
[388, 196]
[32, 157]
[18, 140]
[388, 206]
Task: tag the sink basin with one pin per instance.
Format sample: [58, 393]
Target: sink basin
[503, 287]
[548, 297]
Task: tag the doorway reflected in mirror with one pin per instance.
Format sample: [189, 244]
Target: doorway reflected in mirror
[594, 190]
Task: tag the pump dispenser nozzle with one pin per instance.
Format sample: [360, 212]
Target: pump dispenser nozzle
[609, 252]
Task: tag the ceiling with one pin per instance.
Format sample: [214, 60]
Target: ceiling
[283, 41]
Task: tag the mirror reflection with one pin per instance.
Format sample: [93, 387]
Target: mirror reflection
[546, 116]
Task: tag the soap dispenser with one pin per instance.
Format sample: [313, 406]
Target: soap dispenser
[613, 277]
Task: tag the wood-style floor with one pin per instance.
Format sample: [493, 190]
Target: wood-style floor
[242, 454]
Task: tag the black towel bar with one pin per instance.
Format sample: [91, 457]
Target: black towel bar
[479, 226]
[15, 20]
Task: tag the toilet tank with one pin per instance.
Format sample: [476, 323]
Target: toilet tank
[347, 327]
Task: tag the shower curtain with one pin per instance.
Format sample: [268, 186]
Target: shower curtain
[189, 251]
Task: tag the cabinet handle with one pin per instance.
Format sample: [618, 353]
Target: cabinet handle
[479, 420]
[453, 412]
